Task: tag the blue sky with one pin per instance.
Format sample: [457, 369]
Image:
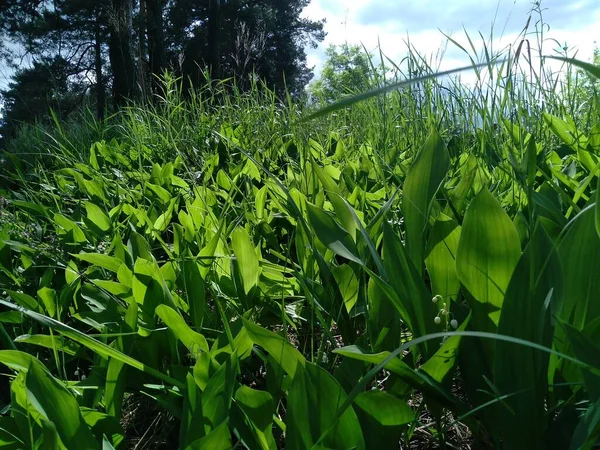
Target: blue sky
[572, 23]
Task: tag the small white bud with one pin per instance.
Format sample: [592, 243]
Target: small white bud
[83, 377]
[454, 323]
[437, 320]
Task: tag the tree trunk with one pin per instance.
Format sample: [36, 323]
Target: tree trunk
[142, 61]
[214, 19]
[100, 89]
[156, 40]
[120, 53]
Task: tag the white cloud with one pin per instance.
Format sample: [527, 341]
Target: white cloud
[393, 23]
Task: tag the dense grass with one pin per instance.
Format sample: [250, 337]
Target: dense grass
[214, 270]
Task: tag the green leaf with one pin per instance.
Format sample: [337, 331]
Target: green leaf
[347, 283]
[101, 260]
[331, 234]
[48, 298]
[415, 378]
[193, 286]
[150, 289]
[487, 254]
[597, 207]
[66, 227]
[531, 300]
[579, 251]
[34, 208]
[215, 401]
[258, 408]
[139, 247]
[51, 342]
[440, 365]
[98, 347]
[441, 257]
[217, 439]
[97, 216]
[587, 433]
[409, 287]
[24, 300]
[279, 348]
[592, 69]
[334, 194]
[161, 193]
[52, 399]
[382, 418]
[246, 257]
[193, 341]
[384, 408]
[312, 401]
[423, 180]
[114, 390]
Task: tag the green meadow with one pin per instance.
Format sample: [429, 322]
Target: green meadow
[414, 266]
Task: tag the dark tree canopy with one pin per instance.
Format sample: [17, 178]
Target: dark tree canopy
[118, 49]
[35, 90]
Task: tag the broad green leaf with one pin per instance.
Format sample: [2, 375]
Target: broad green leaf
[597, 207]
[247, 259]
[31, 207]
[384, 318]
[312, 401]
[414, 378]
[215, 401]
[384, 408]
[161, 192]
[24, 300]
[258, 407]
[531, 300]
[579, 251]
[98, 217]
[66, 227]
[331, 234]
[101, 260]
[279, 348]
[423, 180]
[487, 254]
[96, 346]
[441, 257]
[49, 300]
[443, 361]
[193, 286]
[207, 253]
[335, 197]
[586, 351]
[149, 289]
[139, 247]
[193, 341]
[114, 390]
[409, 287]
[347, 283]
[51, 342]
[587, 433]
[52, 399]
[217, 439]
[382, 418]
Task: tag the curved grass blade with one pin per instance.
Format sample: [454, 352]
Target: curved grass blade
[363, 383]
[344, 103]
[102, 349]
[591, 68]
